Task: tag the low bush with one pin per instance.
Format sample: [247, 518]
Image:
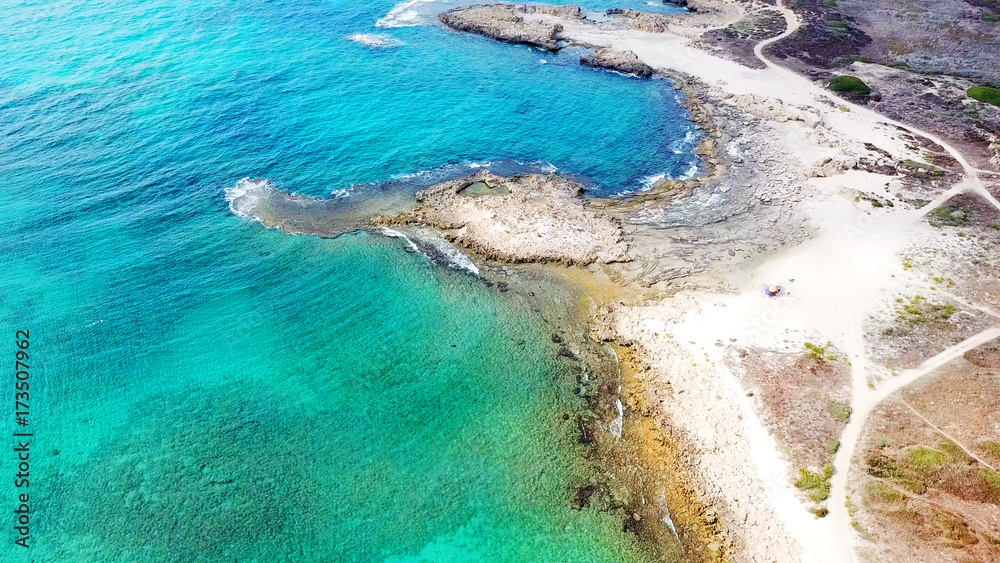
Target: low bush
[841, 412]
[926, 458]
[817, 485]
[985, 94]
[847, 84]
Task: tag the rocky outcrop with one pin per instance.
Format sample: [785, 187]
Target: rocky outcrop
[623, 61]
[642, 21]
[506, 22]
[529, 218]
[570, 11]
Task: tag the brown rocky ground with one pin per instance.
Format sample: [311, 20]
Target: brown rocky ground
[962, 259]
[736, 41]
[937, 103]
[825, 39]
[923, 483]
[953, 286]
[953, 37]
[803, 399]
[927, 54]
[915, 328]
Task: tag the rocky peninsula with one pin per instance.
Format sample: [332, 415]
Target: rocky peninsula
[622, 61]
[512, 23]
[538, 25]
[530, 218]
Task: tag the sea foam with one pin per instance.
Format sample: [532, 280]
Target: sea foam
[404, 14]
[434, 247]
[247, 194]
[375, 40]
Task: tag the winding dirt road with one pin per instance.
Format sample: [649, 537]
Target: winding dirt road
[865, 399]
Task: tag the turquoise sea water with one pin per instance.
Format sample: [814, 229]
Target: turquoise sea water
[207, 389]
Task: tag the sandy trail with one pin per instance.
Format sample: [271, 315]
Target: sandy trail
[865, 400]
[860, 262]
[971, 182]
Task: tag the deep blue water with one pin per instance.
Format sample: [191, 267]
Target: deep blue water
[219, 391]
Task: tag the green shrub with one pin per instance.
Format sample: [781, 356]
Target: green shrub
[815, 352]
[992, 18]
[841, 412]
[832, 445]
[954, 451]
[847, 84]
[985, 94]
[926, 458]
[817, 485]
[885, 492]
[991, 477]
[993, 448]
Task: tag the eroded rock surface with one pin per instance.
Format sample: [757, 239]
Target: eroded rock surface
[529, 218]
[643, 21]
[623, 61]
[506, 22]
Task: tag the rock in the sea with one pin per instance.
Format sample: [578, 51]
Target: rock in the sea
[623, 61]
[506, 22]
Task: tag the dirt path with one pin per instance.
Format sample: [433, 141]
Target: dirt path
[826, 267]
[863, 406]
[865, 400]
[971, 182]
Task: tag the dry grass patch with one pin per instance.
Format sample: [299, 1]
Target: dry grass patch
[921, 494]
[803, 399]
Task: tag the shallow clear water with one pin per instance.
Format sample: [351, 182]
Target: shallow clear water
[219, 391]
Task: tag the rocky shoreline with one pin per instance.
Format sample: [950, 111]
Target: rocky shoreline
[622, 61]
[798, 190]
[535, 25]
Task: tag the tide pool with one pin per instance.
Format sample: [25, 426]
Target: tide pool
[204, 389]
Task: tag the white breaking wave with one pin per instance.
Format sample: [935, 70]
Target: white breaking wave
[649, 181]
[485, 164]
[684, 145]
[456, 259]
[618, 424]
[453, 171]
[434, 248]
[374, 40]
[691, 172]
[393, 233]
[404, 14]
[247, 194]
